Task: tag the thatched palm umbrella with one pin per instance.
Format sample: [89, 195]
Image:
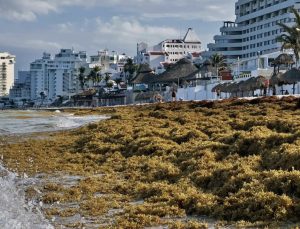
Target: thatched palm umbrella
[207, 67]
[255, 83]
[183, 70]
[217, 87]
[145, 75]
[276, 79]
[232, 88]
[291, 77]
[224, 86]
[283, 59]
[242, 87]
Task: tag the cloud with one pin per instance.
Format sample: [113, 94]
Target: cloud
[28, 42]
[207, 10]
[66, 27]
[25, 10]
[119, 33]
[42, 45]
[120, 30]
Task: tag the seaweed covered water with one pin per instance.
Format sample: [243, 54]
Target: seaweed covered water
[22, 122]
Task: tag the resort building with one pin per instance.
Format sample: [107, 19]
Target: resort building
[251, 38]
[112, 63]
[63, 73]
[39, 74]
[168, 51]
[58, 76]
[21, 89]
[7, 66]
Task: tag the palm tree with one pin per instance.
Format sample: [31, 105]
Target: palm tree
[218, 61]
[81, 77]
[290, 39]
[43, 97]
[107, 77]
[130, 68]
[94, 75]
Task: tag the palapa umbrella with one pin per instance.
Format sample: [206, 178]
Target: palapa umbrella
[276, 79]
[284, 59]
[255, 83]
[223, 87]
[217, 87]
[291, 77]
[242, 87]
[232, 88]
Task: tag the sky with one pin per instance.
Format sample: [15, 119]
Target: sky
[30, 27]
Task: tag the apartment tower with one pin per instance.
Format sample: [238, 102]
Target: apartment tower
[7, 66]
[255, 29]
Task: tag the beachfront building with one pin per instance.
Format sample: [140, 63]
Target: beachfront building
[7, 66]
[251, 38]
[63, 73]
[39, 76]
[58, 76]
[168, 51]
[112, 63]
[21, 90]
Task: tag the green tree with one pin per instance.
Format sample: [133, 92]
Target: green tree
[82, 77]
[290, 39]
[109, 84]
[218, 62]
[94, 75]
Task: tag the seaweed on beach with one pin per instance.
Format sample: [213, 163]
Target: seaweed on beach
[233, 161]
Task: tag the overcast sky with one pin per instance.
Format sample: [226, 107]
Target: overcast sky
[30, 27]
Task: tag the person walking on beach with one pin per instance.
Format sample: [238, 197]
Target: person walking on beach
[173, 95]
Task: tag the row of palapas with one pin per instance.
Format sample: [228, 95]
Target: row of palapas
[255, 83]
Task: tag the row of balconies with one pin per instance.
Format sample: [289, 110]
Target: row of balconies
[254, 6]
[266, 13]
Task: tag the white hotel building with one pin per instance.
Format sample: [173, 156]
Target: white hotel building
[58, 76]
[7, 71]
[169, 51]
[251, 38]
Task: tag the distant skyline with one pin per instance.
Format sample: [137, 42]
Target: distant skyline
[31, 27]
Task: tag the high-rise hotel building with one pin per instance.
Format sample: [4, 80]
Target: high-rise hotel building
[7, 66]
[255, 29]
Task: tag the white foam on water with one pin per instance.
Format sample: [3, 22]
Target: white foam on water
[13, 122]
[15, 213]
[69, 121]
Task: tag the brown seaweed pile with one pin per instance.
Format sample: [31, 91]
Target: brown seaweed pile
[172, 164]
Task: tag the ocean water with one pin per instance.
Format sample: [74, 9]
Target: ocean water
[21, 122]
[15, 211]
